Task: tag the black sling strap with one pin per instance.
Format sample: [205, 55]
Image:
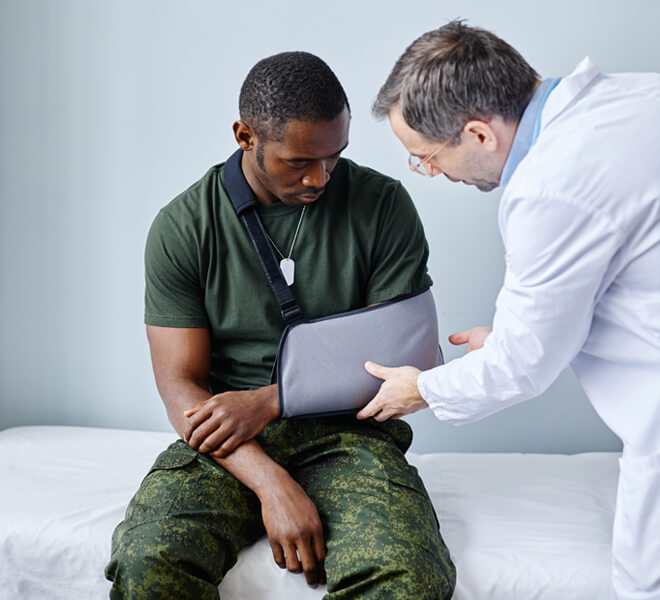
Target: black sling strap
[244, 202]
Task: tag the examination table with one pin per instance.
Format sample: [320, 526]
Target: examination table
[519, 526]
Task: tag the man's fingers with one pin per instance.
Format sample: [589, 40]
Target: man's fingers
[461, 337]
[199, 416]
[214, 439]
[318, 545]
[309, 562]
[278, 554]
[291, 559]
[227, 447]
[192, 411]
[199, 434]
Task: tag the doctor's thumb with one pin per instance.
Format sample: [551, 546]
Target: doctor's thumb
[460, 337]
[375, 369]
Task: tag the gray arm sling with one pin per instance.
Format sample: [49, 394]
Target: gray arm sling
[319, 367]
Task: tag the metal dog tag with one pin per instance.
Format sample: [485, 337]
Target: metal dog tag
[288, 268]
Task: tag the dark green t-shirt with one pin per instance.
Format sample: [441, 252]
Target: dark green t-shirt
[360, 243]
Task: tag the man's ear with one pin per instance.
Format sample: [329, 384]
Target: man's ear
[244, 136]
[482, 134]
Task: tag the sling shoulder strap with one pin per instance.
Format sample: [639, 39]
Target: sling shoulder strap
[245, 205]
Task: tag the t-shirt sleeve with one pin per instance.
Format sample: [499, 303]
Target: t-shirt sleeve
[399, 264]
[174, 295]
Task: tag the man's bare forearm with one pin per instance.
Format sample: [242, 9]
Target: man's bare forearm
[178, 397]
[254, 468]
[248, 463]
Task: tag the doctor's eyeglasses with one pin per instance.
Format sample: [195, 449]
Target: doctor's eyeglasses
[421, 166]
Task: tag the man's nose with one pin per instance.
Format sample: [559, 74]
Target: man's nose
[317, 176]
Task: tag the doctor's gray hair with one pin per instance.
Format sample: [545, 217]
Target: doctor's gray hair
[452, 75]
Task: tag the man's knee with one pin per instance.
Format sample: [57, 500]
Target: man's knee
[161, 559]
[383, 539]
[420, 575]
[379, 560]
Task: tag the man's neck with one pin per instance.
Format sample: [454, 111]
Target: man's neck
[249, 166]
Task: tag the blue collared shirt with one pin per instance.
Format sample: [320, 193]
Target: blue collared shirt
[528, 129]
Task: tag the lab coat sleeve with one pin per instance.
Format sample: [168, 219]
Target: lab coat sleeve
[557, 253]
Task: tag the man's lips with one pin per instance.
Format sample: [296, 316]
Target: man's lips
[310, 197]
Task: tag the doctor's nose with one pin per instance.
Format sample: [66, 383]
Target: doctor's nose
[317, 176]
[433, 171]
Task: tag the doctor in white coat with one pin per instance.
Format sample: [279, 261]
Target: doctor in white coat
[579, 160]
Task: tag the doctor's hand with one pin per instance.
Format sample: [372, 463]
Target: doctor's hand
[474, 337]
[398, 394]
[223, 422]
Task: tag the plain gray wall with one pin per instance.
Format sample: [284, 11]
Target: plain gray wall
[110, 109]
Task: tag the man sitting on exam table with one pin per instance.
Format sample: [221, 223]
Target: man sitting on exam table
[334, 495]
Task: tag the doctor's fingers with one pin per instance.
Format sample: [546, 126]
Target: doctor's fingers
[380, 410]
[460, 337]
[373, 407]
[378, 370]
[475, 337]
[387, 413]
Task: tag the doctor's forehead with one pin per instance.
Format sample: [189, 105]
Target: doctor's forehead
[413, 141]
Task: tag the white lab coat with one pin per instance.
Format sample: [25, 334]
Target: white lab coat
[580, 221]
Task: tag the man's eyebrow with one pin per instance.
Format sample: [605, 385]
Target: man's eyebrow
[302, 159]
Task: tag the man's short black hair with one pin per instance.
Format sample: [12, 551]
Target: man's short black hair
[289, 86]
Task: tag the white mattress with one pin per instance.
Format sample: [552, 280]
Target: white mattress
[519, 526]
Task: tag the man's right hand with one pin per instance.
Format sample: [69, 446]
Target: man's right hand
[223, 422]
[294, 529]
[474, 338]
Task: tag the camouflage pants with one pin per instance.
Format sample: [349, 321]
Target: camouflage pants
[186, 524]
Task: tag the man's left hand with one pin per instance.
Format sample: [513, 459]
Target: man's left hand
[223, 422]
[398, 394]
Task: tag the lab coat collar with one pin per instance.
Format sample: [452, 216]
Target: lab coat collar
[551, 105]
[569, 88]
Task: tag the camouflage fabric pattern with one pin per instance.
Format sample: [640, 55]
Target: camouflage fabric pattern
[190, 518]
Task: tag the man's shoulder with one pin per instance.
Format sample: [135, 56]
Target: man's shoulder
[362, 175]
[365, 188]
[195, 199]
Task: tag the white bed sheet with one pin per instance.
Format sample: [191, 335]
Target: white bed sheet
[519, 526]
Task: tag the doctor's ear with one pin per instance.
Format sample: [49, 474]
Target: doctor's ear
[482, 133]
[244, 135]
